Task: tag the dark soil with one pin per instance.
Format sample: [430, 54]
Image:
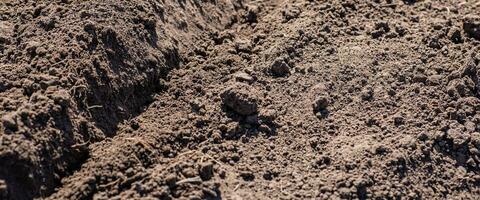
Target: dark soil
[238, 99]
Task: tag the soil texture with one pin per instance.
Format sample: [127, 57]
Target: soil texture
[239, 99]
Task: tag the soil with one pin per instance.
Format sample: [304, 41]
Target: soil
[239, 99]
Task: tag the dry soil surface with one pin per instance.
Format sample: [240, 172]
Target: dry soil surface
[239, 99]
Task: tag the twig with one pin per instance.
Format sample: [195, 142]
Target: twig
[195, 179]
[94, 106]
[110, 184]
[236, 187]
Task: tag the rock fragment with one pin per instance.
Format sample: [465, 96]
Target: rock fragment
[241, 98]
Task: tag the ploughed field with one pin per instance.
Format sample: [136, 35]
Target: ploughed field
[239, 99]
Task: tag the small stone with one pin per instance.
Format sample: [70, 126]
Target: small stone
[470, 126]
[321, 103]
[380, 149]
[270, 174]
[197, 105]
[89, 26]
[206, 171]
[475, 138]
[474, 151]
[241, 98]
[243, 77]
[280, 68]
[264, 128]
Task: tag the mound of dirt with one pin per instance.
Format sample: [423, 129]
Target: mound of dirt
[239, 100]
[71, 71]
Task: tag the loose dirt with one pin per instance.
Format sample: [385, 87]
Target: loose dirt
[238, 99]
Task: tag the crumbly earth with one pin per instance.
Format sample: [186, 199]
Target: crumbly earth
[294, 99]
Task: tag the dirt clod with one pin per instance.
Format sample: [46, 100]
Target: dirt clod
[171, 180]
[247, 176]
[206, 170]
[243, 77]
[280, 68]
[9, 121]
[471, 26]
[241, 98]
[455, 35]
[398, 119]
[321, 103]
